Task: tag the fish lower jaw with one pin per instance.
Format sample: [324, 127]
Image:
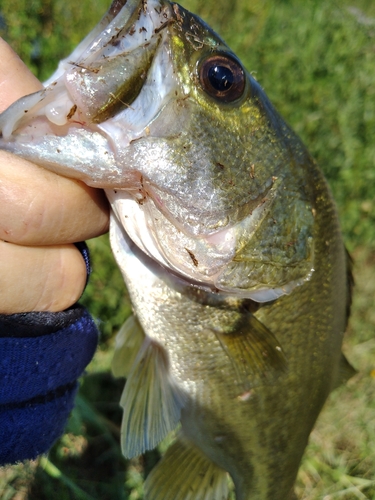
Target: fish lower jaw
[263, 295]
[185, 264]
[260, 295]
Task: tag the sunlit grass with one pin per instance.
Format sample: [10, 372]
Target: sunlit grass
[340, 460]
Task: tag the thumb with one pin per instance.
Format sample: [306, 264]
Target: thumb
[16, 80]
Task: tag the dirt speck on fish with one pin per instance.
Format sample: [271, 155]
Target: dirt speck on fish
[228, 239]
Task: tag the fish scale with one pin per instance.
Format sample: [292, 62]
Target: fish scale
[228, 240]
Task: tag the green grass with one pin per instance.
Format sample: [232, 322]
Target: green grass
[316, 61]
[339, 463]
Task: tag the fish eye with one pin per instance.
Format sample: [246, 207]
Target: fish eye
[222, 77]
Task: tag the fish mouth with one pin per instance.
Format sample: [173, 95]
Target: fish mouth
[74, 125]
[103, 75]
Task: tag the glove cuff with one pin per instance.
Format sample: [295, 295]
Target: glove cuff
[42, 355]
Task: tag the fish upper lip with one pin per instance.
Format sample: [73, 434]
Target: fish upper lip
[118, 37]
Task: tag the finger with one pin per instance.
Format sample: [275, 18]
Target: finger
[38, 276]
[47, 208]
[16, 80]
[64, 210]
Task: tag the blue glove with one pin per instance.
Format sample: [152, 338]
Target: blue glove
[41, 356]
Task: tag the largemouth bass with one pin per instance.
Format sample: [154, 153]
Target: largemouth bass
[228, 239]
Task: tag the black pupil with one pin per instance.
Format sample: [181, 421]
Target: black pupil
[221, 78]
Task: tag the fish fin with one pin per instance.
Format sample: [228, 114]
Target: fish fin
[350, 284]
[254, 351]
[185, 473]
[292, 495]
[151, 401]
[345, 372]
[128, 343]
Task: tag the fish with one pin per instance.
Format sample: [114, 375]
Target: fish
[228, 239]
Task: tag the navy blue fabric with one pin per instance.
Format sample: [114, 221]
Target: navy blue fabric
[41, 356]
[83, 248]
[30, 366]
[30, 430]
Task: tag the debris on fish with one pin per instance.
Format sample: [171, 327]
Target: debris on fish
[226, 234]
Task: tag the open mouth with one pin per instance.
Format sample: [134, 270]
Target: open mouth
[101, 96]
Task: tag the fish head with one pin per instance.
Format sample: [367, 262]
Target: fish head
[201, 171]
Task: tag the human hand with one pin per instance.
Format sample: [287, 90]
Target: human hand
[41, 216]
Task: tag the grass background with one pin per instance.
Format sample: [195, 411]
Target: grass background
[316, 61]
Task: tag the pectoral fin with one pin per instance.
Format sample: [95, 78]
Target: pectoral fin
[151, 401]
[128, 343]
[254, 351]
[184, 473]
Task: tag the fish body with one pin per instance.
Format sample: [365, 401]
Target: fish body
[228, 239]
